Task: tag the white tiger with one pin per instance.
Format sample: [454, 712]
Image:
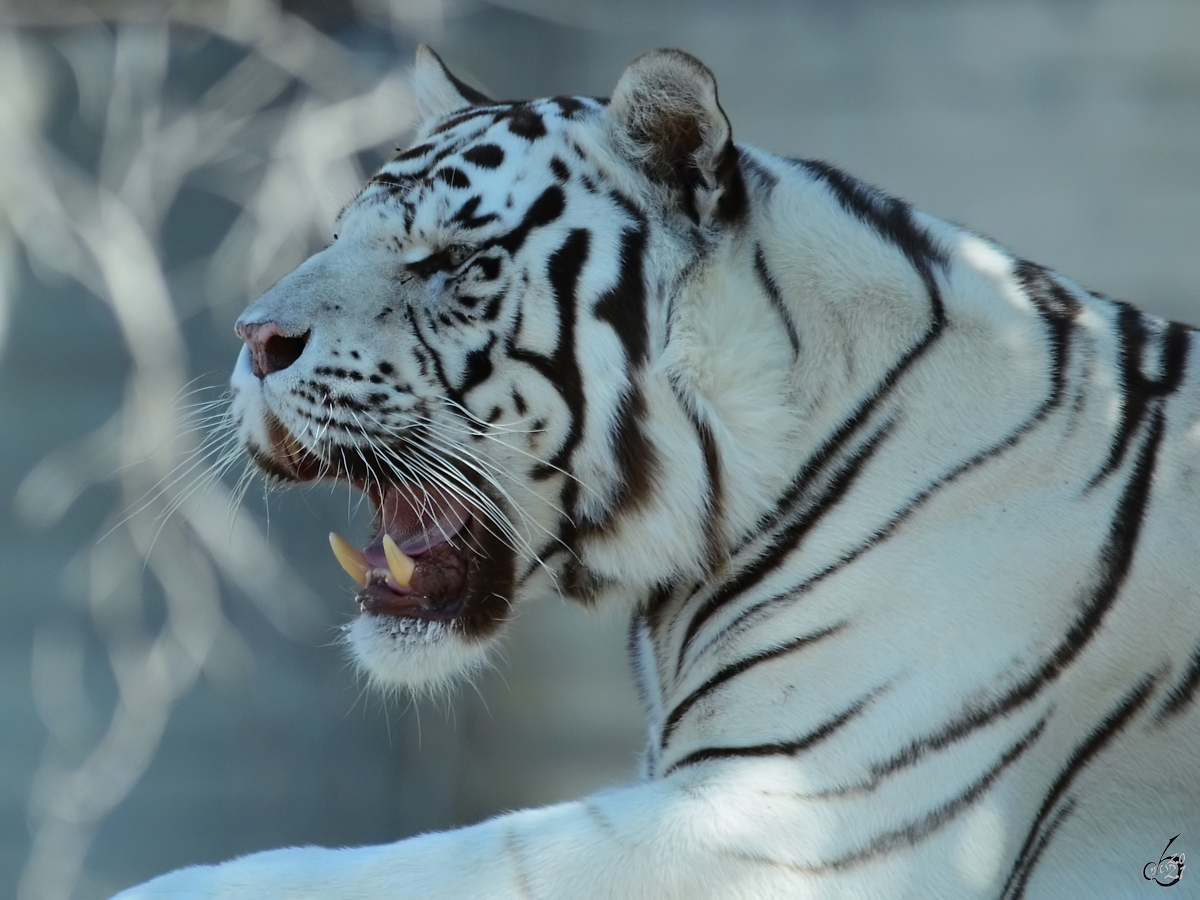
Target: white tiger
[907, 527]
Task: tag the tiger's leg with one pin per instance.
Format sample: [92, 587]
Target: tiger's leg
[651, 840]
[718, 834]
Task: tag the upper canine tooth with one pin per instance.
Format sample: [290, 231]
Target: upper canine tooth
[399, 564]
[351, 559]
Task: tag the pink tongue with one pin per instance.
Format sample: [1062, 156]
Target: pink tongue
[416, 521]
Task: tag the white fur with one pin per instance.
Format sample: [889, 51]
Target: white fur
[974, 586]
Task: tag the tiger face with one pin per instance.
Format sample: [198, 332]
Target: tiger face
[470, 353]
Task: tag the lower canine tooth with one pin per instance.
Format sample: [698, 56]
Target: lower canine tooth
[400, 565]
[351, 559]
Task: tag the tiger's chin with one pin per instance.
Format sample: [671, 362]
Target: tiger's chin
[397, 652]
[435, 581]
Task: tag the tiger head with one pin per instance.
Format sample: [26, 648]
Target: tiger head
[488, 350]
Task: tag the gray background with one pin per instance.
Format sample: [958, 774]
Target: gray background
[1068, 130]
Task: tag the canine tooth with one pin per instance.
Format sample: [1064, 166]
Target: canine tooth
[351, 558]
[400, 565]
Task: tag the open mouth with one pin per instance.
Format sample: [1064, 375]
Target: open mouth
[420, 561]
[433, 556]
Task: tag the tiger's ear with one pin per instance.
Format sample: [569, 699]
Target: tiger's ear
[439, 92]
[668, 118]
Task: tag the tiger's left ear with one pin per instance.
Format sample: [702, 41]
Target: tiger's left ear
[439, 92]
[665, 106]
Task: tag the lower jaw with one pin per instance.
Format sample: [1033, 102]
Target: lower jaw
[380, 600]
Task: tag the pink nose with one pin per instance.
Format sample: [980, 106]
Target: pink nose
[271, 350]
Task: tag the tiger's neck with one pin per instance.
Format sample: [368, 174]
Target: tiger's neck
[808, 342]
[797, 323]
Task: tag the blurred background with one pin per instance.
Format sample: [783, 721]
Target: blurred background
[172, 690]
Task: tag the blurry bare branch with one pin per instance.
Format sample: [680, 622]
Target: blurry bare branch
[279, 135]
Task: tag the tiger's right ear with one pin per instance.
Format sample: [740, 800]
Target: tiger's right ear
[439, 92]
[671, 125]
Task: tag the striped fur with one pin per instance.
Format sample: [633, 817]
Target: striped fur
[905, 525]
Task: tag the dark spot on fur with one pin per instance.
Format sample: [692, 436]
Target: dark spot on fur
[526, 123]
[456, 178]
[568, 106]
[486, 156]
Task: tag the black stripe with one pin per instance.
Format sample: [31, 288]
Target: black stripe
[423, 172]
[772, 290]
[477, 369]
[635, 456]
[786, 541]
[736, 669]
[468, 93]
[761, 174]
[623, 306]
[389, 180]
[890, 217]
[411, 153]
[1114, 558]
[1184, 692]
[714, 504]
[893, 220]
[652, 609]
[492, 113]
[929, 823]
[1137, 391]
[466, 214]
[783, 748]
[561, 368]
[489, 270]
[438, 371]
[545, 209]
[1058, 310]
[734, 201]
[1043, 841]
[1116, 720]
[1057, 315]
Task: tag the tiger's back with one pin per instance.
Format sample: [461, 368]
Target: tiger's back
[905, 525]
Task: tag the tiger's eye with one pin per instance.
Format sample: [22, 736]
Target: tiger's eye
[457, 254]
